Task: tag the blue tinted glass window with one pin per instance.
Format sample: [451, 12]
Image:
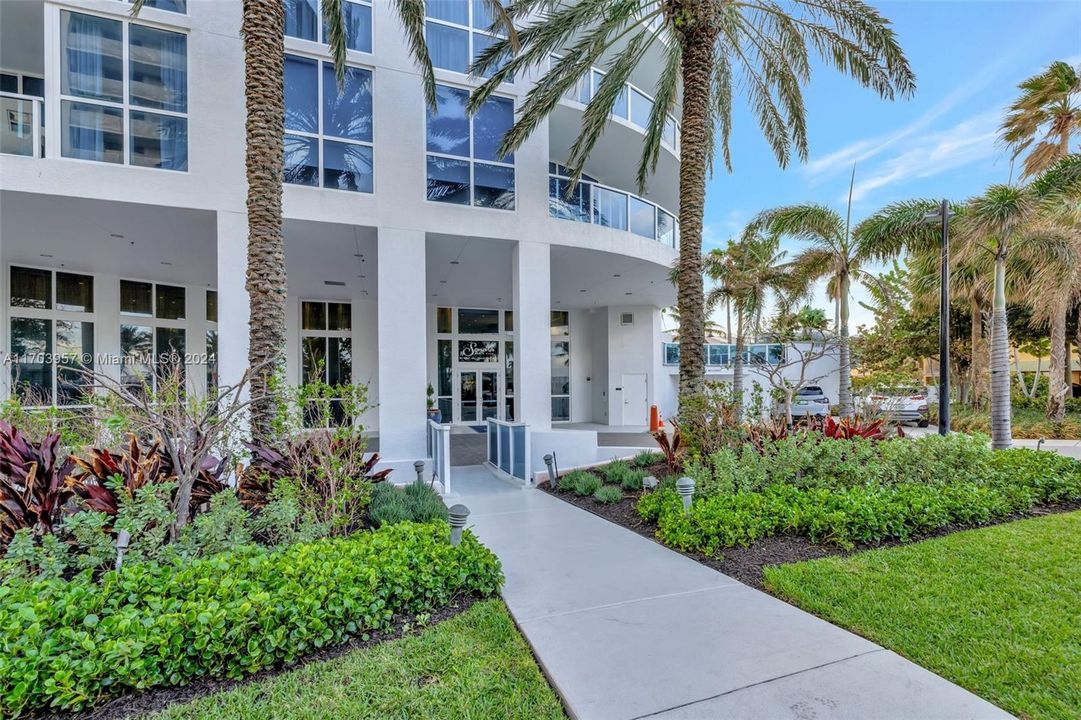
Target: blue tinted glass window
[482, 15]
[159, 141]
[610, 208]
[347, 114]
[301, 160]
[301, 19]
[177, 6]
[666, 228]
[158, 68]
[347, 167]
[9, 83]
[493, 186]
[358, 26]
[455, 11]
[92, 60]
[33, 86]
[448, 180]
[482, 42]
[92, 132]
[448, 125]
[641, 108]
[448, 47]
[642, 222]
[490, 124]
[301, 94]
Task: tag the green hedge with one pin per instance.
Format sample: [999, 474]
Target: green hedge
[71, 644]
[1015, 480]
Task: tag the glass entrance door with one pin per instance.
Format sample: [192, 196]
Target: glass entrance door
[478, 395]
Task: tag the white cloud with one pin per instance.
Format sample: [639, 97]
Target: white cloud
[964, 143]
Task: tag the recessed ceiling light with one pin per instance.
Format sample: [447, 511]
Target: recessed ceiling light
[46, 255]
[115, 235]
[166, 262]
[617, 275]
[358, 254]
[337, 283]
[628, 293]
[581, 291]
[435, 294]
[442, 282]
[362, 276]
[455, 262]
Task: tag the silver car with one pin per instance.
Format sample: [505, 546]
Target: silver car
[809, 400]
[897, 404]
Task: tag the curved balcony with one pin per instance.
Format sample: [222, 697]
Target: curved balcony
[596, 204]
[633, 106]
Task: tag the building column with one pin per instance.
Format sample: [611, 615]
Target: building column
[232, 297]
[403, 374]
[531, 271]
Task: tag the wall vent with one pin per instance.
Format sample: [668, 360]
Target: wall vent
[626, 318]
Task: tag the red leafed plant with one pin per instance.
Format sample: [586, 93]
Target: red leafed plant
[848, 428]
[139, 466]
[672, 446]
[306, 460]
[33, 482]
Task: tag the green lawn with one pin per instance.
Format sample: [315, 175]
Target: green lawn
[475, 665]
[996, 610]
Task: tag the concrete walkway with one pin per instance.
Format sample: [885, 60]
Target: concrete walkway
[626, 628]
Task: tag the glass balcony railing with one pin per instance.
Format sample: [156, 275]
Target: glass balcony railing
[721, 355]
[21, 125]
[591, 202]
[633, 105]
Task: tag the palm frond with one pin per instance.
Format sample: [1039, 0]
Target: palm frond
[334, 24]
[664, 101]
[412, 15]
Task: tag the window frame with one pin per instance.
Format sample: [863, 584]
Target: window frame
[154, 323]
[308, 46]
[125, 106]
[471, 160]
[321, 138]
[325, 333]
[470, 31]
[52, 315]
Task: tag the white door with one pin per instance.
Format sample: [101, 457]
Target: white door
[635, 399]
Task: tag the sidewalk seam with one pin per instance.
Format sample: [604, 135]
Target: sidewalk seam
[620, 603]
[756, 684]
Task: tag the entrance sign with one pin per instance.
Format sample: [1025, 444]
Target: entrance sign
[478, 351]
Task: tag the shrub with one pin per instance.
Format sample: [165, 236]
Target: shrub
[416, 502]
[71, 644]
[911, 489]
[33, 482]
[647, 458]
[581, 482]
[632, 480]
[608, 494]
[614, 472]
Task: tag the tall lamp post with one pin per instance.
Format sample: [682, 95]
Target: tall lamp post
[943, 213]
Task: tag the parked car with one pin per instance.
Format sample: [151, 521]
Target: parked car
[809, 400]
[908, 404]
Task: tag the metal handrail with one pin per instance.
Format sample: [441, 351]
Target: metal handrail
[558, 196]
[36, 113]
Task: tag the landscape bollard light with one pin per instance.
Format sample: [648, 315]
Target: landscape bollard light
[1039, 443]
[123, 538]
[457, 516]
[549, 462]
[685, 488]
[419, 467]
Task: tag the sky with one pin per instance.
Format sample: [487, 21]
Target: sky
[968, 56]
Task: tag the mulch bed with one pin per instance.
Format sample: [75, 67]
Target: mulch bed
[138, 704]
[746, 563]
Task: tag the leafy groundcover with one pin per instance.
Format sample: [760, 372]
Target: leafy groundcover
[69, 644]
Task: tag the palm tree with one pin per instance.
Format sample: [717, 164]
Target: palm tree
[835, 253]
[1056, 282]
[750, 274]
[712, 329]
[1046, 106]
[709, 47]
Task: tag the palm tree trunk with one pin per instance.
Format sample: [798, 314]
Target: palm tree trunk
[1056, 391]
[1001, 432]
[263, 33]
[696, 65]
[844, 390]
[737, 368]
[975, 367]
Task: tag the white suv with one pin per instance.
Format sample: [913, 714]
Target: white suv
[809, 400]
[897, 404]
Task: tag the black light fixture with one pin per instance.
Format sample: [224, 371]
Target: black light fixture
[943, 214]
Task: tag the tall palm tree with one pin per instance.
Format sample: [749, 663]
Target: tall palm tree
[836, 254]
[709, 47]
[1047, 105]
[751, 274]
[1056, 282]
